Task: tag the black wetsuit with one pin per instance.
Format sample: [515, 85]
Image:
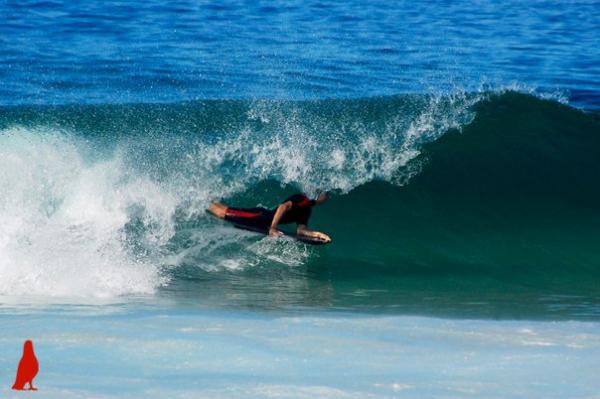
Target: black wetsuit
[261, 218]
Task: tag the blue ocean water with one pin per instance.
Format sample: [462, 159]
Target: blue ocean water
[147, 51]
[460, 143]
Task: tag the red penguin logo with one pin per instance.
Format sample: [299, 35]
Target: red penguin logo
[28, 368]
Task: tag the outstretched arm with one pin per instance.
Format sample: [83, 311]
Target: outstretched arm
[281, 209]
[302, 230]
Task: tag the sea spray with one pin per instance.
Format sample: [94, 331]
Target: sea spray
[62, 220]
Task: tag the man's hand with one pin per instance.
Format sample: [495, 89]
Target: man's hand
[303, 231]
[321, 236]
[273, 232]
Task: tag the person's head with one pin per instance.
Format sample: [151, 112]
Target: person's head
[321, 197]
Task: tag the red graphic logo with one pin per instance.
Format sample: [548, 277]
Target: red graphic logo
[28, 368]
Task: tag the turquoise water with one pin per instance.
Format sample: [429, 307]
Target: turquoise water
[460, 145]
[120, 352]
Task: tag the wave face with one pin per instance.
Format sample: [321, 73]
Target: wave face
[465, 193]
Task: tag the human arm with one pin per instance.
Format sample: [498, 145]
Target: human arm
[302, 230]
[281, 209]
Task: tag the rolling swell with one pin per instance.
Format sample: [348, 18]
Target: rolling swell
[430, 194]
[513, 194]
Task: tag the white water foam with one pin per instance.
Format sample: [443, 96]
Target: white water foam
[62, 220]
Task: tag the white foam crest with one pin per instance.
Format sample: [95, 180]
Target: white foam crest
[63, 220]
[557, 94]
[441, 114]
[316, 155]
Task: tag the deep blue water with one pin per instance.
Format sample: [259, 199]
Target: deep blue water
[150, 51]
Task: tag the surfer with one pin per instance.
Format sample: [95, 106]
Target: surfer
[295, 209]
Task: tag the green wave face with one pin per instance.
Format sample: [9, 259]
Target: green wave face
[515, 189]
[486, 203]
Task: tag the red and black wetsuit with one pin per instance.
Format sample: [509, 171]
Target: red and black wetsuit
[260, 218]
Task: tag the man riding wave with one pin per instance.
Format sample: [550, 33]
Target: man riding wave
[295, 209]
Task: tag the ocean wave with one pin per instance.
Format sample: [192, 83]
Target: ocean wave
[101, 201]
